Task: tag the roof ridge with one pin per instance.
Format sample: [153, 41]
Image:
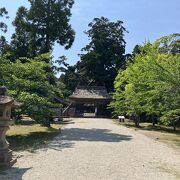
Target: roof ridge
[90, 92]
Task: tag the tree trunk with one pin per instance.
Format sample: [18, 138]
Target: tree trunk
[153, 121]
[174, 127]
[137, 120]
[47, 43]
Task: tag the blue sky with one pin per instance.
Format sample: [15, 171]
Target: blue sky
[144, 19]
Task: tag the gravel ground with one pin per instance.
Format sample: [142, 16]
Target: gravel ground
[98, 149]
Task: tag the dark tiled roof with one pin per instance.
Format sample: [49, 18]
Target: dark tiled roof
[90, 92]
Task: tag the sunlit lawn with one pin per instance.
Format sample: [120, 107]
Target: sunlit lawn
[31, 137]
[160, 133]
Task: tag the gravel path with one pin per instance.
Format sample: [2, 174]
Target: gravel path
[98, 149]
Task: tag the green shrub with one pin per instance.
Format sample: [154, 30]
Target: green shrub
[171, 118]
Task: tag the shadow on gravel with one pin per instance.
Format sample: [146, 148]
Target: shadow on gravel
[14, 173]
[68, 136]
[105, 135]
[58, 144]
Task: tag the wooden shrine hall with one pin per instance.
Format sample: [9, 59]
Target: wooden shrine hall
[89, 101]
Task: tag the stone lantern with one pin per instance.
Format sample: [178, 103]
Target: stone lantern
[6, 103]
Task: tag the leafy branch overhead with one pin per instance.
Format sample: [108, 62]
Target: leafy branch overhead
[3, 13]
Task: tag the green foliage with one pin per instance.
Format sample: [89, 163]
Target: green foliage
[150, 84]
[169, 44]
[105, 53]
[3, 28]
[36, 107]
[22, 39]
[28, 73]
[171, 118]
[40, 26]
[28, 81]
[71, 79]
[102, 57]
[51, 22]
[3, 13]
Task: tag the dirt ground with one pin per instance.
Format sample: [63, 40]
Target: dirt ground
[98, 149]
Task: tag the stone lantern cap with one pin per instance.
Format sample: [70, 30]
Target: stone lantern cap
[3, 98]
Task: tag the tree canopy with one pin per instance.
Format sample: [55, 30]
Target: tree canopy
[3, 13]
[103, 56]
[150, 84]
[38, 28]
[28, 82]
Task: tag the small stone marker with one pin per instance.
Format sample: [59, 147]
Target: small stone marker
[6, 103]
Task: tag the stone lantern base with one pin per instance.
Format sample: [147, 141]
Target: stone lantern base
[6, 103]
[6, 159]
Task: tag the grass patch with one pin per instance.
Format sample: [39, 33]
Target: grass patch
[169, 170]
[31, 137]
[162, 133]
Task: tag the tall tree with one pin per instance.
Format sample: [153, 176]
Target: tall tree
[50, 20]
[105, 54]
[70, 78]
[3, 13]
[150, 84]
[38, 28]
[3, 28]
[20, 42]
